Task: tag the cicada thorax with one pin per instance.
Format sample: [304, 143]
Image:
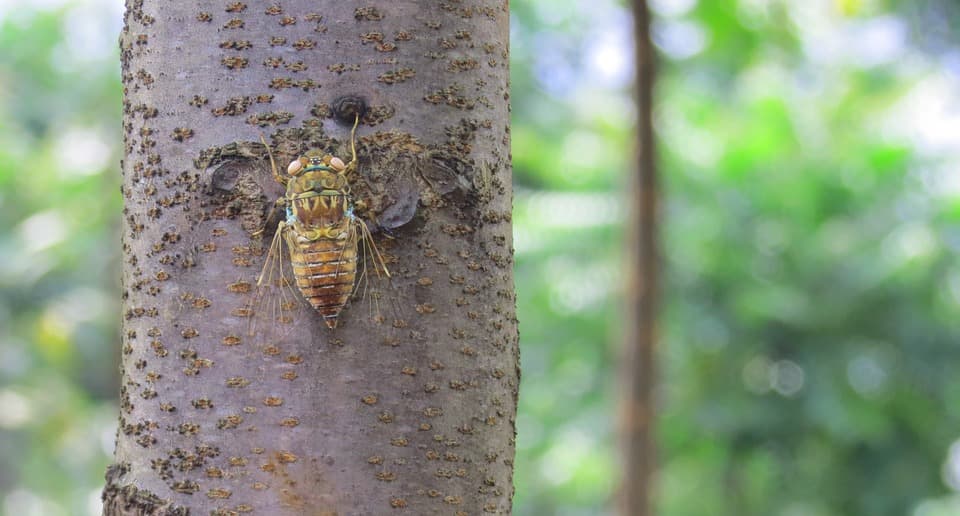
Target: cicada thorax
[321, 236]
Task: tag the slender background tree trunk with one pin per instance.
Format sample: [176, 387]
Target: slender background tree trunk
[638, 371]
[413, 414]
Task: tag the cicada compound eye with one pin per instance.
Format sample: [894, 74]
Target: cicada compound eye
[294, 167]
[337, 164]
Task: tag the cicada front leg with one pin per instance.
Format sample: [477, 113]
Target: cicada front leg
[273, 165]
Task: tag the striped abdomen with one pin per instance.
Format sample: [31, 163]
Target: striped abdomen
[325, 270]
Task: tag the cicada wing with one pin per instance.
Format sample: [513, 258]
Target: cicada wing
[275, 305]
[373, 285]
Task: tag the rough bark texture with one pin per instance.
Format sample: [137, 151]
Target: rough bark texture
[410, 415]
[637, 413]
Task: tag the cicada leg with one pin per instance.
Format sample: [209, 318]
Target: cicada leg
[371, 246]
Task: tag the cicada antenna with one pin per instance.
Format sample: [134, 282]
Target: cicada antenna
[353, 145]
[273, 164]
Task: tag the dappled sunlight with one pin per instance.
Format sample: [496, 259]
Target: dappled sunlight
[785, 377]
[928, 115]
[15, 409]
[42, 230]
[868, 374]
[28, 503]
[89, 28]
[84, 151]
[679, 39]
[570, 210]
[832, 40]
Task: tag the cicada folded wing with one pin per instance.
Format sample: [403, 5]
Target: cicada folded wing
[275, 306]
[374, 287]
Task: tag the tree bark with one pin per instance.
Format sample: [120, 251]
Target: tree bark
[638, 369]
[412, 412]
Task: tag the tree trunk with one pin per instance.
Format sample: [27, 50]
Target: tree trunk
[638, 369]
[410, 410]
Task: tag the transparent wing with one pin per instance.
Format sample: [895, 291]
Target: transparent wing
[275, 304]
[373, 286]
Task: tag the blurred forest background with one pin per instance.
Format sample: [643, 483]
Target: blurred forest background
[810, 162]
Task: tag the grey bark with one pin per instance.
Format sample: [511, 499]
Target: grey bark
[412, 412]
[638, 369]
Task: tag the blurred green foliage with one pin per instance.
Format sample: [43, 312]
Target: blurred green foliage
[811, 222]
[810, 230]
[59, 268]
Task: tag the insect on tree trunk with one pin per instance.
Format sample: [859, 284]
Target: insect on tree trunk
[408, 405]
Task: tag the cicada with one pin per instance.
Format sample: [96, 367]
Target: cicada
[321, 232]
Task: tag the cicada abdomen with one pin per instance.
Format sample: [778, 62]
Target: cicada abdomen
[321, 232]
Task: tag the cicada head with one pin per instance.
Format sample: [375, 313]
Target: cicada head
[314, 158]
